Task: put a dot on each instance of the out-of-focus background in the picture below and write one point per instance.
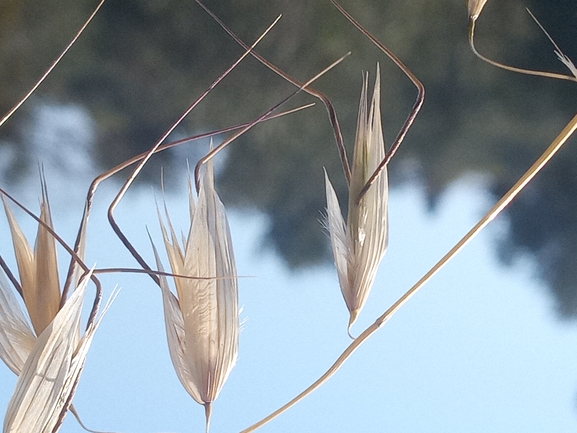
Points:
(489, 345)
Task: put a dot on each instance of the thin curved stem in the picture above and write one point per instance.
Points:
(161, 273)
(221, 146)
(381, 320)
(414, 111)
(545, 74)
(109, 173)
(328, 105)
(154, 148)
(52, 66)
(11, 277)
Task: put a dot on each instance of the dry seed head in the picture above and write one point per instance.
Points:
(38, 269)
(475, 7)
(48, 361)
(50, 374)
(202, 321)
(359, 244)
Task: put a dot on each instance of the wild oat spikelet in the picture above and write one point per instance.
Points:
(48, 358)
(38, 268)
(48, 379)
(360, 244)
(202, 322)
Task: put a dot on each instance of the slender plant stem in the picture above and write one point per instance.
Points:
(237, 134)
(52, 66)
(109, 173)
(328, 105)
(11, 277)
(154, 148)
(381, 320)
(512, 68)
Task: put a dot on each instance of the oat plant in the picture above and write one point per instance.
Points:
(201, 318)
(46, 344)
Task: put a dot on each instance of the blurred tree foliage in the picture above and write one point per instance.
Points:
(140, 63)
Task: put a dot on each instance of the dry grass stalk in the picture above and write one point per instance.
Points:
(202, 319)
(412, 114)
(202, 323)
(359, 244)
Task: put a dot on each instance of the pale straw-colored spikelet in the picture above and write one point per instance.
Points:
(475, 7)
(16, 336)
(48, 356)
(50, 375)
(359, 244)
(38, 268)
(202, 322)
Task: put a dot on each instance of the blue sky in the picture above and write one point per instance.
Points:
(478, 349)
